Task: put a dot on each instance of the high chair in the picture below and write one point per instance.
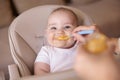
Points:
(26, 36)
(2, 76)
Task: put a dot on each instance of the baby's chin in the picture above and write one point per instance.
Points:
(59, 44)
(62, 44)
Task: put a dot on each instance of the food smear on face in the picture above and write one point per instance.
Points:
(63, 37)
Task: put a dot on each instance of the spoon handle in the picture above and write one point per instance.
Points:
(86, 32)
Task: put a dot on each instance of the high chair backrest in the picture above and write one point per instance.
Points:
(26, 35)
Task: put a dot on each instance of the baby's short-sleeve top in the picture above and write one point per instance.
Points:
(58, 59)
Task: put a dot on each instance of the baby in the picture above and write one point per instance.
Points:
(59, 54)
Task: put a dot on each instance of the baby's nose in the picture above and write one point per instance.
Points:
(60, 31)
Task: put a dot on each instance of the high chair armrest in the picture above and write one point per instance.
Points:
(13, 72)
(2, 76)
(64, 75)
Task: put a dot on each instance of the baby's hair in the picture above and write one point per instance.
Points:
(66, 9)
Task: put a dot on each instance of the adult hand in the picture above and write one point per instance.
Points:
(82, 38)
(101, 66)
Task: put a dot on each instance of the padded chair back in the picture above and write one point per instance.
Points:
(26, 35)
(2, 76)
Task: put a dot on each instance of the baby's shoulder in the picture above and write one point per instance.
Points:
(47, 48)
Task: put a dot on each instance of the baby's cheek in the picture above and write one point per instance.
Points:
(68, 32)
(71, 41)
(49, 38)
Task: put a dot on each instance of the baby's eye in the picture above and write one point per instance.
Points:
(53, 28)
(67, 27)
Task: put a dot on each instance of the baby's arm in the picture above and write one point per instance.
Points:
(42, 62)
(41, 68)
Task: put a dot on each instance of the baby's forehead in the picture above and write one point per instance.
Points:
(59, 12)
(63, 12)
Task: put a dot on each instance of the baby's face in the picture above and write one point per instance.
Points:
(59, 29)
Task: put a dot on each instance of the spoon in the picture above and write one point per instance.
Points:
(83, 32)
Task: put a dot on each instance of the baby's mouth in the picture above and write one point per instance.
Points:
(62, 37)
